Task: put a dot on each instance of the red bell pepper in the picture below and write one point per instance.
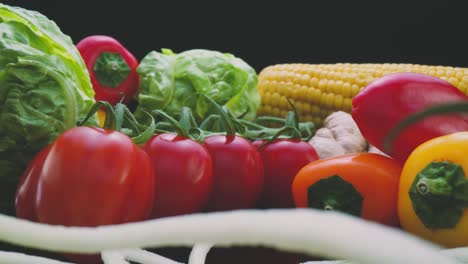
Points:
(388, 100)
(111, 67)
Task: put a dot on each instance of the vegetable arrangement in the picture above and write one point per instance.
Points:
(197, 143)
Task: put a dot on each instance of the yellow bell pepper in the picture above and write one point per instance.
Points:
(101, 114)
(433, 191)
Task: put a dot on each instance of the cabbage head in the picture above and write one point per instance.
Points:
(170, 81)
(44, 90)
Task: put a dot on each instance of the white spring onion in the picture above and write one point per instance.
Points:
(327, 234)
(144, 256)
(113, 257)
(198, 253)
(460, 254)
(19, 258)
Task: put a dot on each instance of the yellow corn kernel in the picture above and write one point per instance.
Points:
(320, 89)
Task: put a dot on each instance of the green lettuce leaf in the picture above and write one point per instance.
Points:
(44, 90)
(36, 30)
(170, 81)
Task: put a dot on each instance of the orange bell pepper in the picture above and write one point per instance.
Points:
(363, 184)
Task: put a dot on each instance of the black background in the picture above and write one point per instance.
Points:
(270, 32)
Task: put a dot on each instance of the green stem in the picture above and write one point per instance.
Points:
(251, 125)
(423, 187)
(224, 117)
(120, 118)
(439, 194)
(109, 122)
(209, 121)
(142, 137)
(331, 204)
(334, 193)
(269, 119)
(111, 69)
(179, 129)
(187, 121)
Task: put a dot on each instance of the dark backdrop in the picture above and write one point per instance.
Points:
(269, 32)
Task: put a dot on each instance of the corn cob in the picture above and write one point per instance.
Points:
(317, 90)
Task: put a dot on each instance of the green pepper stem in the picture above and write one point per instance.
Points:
(439, 194)
(330, 205)
(334, 193)
(423, 187)
(111, 69)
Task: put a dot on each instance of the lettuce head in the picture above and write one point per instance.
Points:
(44, 90)
(170, 81)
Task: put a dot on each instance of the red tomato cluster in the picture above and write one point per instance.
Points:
(93, 176)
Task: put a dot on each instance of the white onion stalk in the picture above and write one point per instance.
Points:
(135, 255)
(327, 262)
(19, 258)
(113, 257)
(327, 234)
(460, 254)
(198, 253)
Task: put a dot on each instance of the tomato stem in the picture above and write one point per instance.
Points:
(110, 120)
(224, 117)
(179, 129)
(144, 136)
(290, 128)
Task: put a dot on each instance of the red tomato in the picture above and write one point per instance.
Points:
(26, 192)
(111, 67)
(282, 160)
(87, 177)
(183, 170)
(237, 173)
